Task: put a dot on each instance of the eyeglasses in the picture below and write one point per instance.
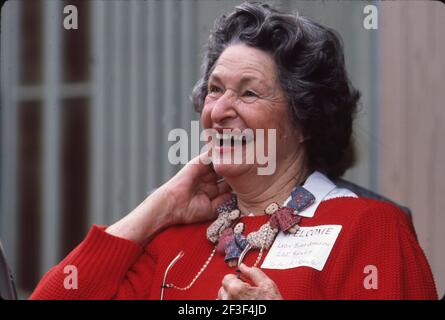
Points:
(164, 279)
(164, 285)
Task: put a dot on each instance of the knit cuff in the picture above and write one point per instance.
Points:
(104, 257)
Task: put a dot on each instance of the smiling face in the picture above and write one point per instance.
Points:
(244, 93)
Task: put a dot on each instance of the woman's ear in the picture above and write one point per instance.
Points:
(303, 139)
(299, 135)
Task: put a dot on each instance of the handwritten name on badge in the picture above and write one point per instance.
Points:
(309, 246)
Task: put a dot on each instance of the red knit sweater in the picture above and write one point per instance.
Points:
(373, 233)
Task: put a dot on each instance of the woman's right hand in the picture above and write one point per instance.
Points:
(195, 193)
(191, 196)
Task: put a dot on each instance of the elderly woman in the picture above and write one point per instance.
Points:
(263, 70)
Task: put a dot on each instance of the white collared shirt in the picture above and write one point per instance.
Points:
(323, 189)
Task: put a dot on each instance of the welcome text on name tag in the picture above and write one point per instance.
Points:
(309, 246)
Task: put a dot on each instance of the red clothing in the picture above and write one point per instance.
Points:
(373, 233)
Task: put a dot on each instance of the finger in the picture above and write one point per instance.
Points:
(212, 177)
(256, 275)
(234, 286)
(203, 159)
(223, 187)
(214, 190)
(222, 294)
(211, 190)
(217, 188)
(229, 278)
(201, 165)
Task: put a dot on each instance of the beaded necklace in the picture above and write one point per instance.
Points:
(226, 232)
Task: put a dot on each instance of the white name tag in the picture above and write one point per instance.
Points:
(309, 247)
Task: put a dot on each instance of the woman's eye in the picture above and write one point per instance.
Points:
(214, 89)
(249, 93)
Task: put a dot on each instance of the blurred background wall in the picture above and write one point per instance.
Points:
(85, 113)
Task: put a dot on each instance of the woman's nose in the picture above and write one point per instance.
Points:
(224, 108)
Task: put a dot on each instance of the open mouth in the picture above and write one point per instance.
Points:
(229, 139)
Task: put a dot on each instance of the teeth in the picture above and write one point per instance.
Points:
(226, 136)
(233, 137)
